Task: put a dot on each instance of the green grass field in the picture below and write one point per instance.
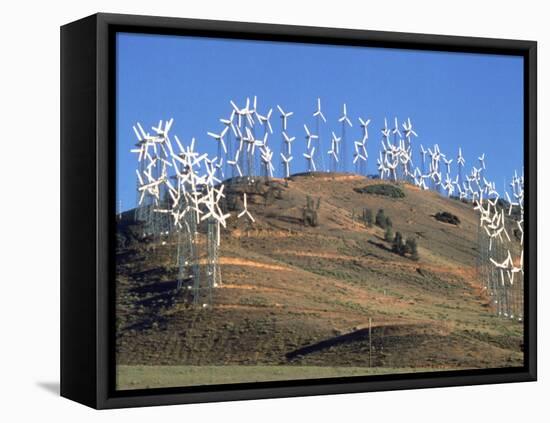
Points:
(137, 377)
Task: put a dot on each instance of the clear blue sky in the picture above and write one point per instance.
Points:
(471, 100)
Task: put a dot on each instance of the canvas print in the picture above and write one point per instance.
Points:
(290, 211)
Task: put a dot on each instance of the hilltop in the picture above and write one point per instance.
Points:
(303, 295)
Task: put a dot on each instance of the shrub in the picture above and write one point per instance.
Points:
(387, 190)
(367, 217)
(380, 219)
(447, 218)
(398, 246)
(388, 235)
(309, 213)
(411, 248)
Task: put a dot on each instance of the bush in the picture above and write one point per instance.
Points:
(398, 246)
(367, 217)
(447, 218)
(388, 235)
(411, 248)
(382, 189)
(380, 219)
(309, 213)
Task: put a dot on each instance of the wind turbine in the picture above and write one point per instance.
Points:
(266, 156)
(310, 161)
(245, 211)
(286, 164)
(319, 115)
(219, 138)
(334, 152)
(365, 125)
(423, 152)
(344, 120)
(235, 164)
(407, 127)
(309, 136)
(284, 116)
(265, 121)
(284, 122)
(287, 146)
(482, 164)
(229, 123)
(448, 164)
(460, 163)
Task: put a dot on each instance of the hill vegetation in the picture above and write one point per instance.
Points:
(296, 294)
(447, 218)
(387, 190)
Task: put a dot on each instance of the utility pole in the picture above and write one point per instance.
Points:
(370, 342)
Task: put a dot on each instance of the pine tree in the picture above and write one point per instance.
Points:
(398, 244)
(367, 217)
(388, 236)
(309, 213)
(412, 248)
(380, 219)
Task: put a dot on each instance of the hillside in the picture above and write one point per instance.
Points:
(302, 295)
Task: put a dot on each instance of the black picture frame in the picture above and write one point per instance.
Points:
(88, 209)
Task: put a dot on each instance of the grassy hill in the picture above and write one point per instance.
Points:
(295, 295)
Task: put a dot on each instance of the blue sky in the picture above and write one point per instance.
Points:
(453, 99)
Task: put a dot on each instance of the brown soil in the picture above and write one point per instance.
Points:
(293, 294)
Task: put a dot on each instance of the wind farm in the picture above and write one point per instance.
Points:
(269, 254)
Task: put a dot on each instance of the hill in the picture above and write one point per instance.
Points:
(302, 295)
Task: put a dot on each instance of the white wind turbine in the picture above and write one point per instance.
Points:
(365, 125)
(310, 160)
(460, 163)
(235, 163)
(286, 158)
(245, 210)
(229, 124)
(334, 152)
(265, 121)
(285, 139)
(358, 158)
(344, 120)
(309, 136)
(318, 114)
(407, 127)
(266, 157)
(240, 112)
(284, 116)
(288, 142)
(448, 164)
(395, 131)
(219, 138)
(363, 147)
(286, 164)
(482, 164)
(423, 152)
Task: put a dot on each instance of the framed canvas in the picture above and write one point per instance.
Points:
(258, 211)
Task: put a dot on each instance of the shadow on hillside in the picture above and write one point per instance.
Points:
(288, 219)
(358, 335)
(156, 287)
(379, 245)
